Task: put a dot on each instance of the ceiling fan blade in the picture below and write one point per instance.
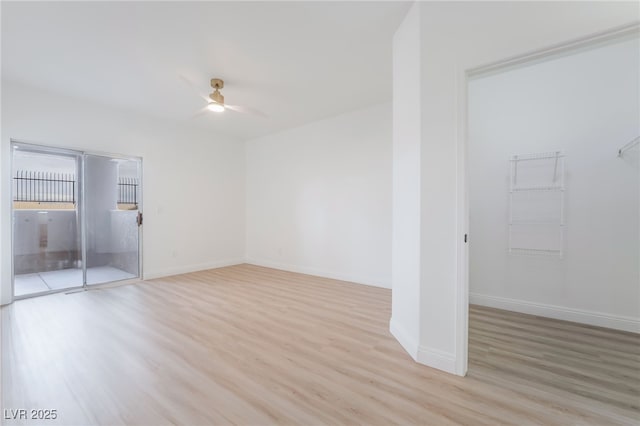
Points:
(246, 110)
(201, 111)
(194, 87)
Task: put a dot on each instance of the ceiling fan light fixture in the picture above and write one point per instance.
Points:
(215, 107)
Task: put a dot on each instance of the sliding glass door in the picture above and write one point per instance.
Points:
(112, 218)
(76, 219)
(47, 249)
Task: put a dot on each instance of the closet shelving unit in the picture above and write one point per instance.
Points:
(536, 204)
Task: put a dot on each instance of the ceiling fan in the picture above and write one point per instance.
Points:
(215, 100)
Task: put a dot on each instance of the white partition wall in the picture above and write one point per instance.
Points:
(405, 320)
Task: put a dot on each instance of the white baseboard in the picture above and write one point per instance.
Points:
(558, 312)
(437, 359)
(409, 344)
(266, 264)
(424, 355)
(317, 272)
(191, 268)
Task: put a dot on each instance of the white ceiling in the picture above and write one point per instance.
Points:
(296, 61)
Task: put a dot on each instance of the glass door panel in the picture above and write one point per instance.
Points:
(47, 255)
(111, 201)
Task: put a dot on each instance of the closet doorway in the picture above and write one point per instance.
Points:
(76, 219)
(554, 218)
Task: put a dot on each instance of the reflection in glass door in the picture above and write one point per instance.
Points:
(75, 219)
(112, 218)
(47, 253)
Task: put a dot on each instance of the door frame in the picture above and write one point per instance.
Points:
(79, 153)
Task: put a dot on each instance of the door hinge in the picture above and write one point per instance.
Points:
(465, 238)
(139, 219)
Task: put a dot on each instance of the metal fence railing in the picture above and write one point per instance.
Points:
(128, 191)
(44, 187)
(49, 187)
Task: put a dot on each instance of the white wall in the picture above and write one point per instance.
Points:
(586, 105)
(455, 37)
(193, 196)
(319, 198)
(405, 321)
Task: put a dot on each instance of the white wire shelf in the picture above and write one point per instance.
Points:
(516, 223)
(536, 204)
(537, 188)
(535, 252)
(538, 156)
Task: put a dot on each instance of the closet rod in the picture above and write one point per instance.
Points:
(628, 146)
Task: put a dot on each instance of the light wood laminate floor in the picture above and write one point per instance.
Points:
(251, 345)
